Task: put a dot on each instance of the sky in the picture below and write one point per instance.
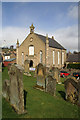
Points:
(58, 19)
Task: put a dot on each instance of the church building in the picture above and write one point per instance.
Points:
(40, 49)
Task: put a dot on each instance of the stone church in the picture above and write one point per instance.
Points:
(40, 49)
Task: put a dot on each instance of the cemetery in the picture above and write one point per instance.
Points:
(39, 94)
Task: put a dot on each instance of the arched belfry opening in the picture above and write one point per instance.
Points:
(31, 63)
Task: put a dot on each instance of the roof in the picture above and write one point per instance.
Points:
(7, 54)
(73, 58)
(52, 43)
(8, 60)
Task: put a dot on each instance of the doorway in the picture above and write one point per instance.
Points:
(31, 63)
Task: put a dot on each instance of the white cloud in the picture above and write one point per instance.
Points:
(11, 34)
(68, 37)
(73, 12)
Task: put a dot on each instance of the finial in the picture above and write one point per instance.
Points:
(17, 41)
(46, 36)
(32, 28)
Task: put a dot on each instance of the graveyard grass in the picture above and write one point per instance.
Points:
(40, 104)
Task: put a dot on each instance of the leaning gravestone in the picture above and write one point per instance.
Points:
(51, 85)
(72, 89)
(13, 88)
(41, 72)
(56, 74)
(16, 88)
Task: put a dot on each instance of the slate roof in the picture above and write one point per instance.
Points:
(73, 58)
(7, 54)
(52, 43)
(8, 60)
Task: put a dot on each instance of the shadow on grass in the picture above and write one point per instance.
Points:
(25, 96)
(62, 94)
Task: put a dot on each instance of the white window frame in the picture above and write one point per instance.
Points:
(7, 57)
(31, 50)
(58, 57)
(53, 57)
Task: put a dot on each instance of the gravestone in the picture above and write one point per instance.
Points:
(72, 89)
(35, 73)
(26, 66)
(13, 88)
(56, 74)
(16, 88)
(51, 85)
(41, 72)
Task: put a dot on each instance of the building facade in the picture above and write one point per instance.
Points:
(40, 49)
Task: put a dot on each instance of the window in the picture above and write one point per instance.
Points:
(58, 57)
(31, 50)
(53, 58)
(22, 58)
(40, 56)
(62, 57)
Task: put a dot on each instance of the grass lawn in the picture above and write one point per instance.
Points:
(40, 104)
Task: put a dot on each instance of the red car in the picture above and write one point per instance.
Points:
(64, 74)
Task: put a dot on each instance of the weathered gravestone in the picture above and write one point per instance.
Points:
(15, 92)
(56, 74)
(72, 89)
(41, 72)
(26, 67)
(51, 85)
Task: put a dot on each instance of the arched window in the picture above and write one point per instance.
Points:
(40, 56)
(31, 50)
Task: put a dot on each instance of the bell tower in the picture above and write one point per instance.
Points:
(32, 29)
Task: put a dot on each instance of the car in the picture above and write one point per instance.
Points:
(76, 75)
(64, 73)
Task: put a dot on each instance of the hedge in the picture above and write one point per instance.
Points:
(74, 66)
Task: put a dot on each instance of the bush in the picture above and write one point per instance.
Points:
(73, 66)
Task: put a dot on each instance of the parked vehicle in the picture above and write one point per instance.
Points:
(64, 74)
(76, 75)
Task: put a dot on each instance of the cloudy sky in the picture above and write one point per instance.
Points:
(59, 19)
